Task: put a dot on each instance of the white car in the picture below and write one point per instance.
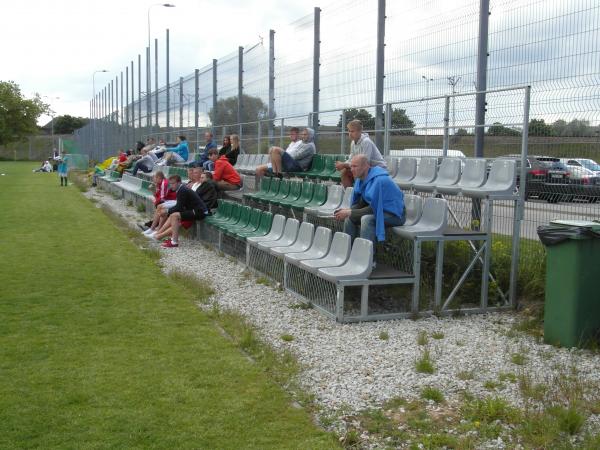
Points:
(581, 168)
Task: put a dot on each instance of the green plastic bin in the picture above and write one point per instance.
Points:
(572, 307)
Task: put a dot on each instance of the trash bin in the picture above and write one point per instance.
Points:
(572, 307)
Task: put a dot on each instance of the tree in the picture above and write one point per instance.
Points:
(253, 109)
(538, 127)
(461, 132)
(399, 120)
(67, 124)
(497, 129)
(18, 115)
(363, 115)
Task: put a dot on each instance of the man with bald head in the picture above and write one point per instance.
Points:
(377, 203)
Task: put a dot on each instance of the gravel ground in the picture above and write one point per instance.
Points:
(349, 367)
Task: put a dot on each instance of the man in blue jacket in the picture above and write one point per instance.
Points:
(178, 154)
(377, 203)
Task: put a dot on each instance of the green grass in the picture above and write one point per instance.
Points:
(424, 363)
(431, 393)
(98, 349)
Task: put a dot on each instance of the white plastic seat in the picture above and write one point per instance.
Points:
(473, 176)
(337, 255)
(448, 175)
(392, 165)
(501, 181)
(426, 173)
(407, 169)
(263, 159)
(241, 162)
(346, 200)
(277, 227)
(318, 249)
(289, 236)
(335, 193)
(414, 207)
(433, 222)
(303, 242)
(358, 266)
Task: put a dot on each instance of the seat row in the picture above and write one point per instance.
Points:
(323, 168)
(284, 193)
(455, 176)
(248, 163)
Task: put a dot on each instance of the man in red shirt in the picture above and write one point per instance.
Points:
(224, 175)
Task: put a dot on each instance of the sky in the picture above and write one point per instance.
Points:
(54, 47)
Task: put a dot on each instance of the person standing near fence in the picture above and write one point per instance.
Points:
(360, 144)
(63, 171)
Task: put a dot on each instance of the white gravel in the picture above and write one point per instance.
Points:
(348, 366)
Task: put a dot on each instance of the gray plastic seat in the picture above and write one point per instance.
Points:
(448, 175)
(426, 173)
(337, 255)
(289, 236)
(501, 181)
(335, 193)
(303, 242)
(277, 227)
(392, 165)
(318, 249)
(358, 266)
(433, 222)
(414, 207)
(473, 176)
(407, 169)
(346, 199)
(262, 159)
(241, 162)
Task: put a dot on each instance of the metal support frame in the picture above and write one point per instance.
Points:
(482, 56)
(156, 84)
(180, 103)
(196, 102)
(148, 92)
(140, 92)
(167, 81)
(388, 126)
(446, 140)
(379, 73)
(240, 105)
(132, 104)
(127, 139)
(316, 71)
(214, 95)
(343, 133)
(271, 126)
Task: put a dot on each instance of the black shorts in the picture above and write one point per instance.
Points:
(192, 214)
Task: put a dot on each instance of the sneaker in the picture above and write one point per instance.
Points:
(152, 236)
(169, 244)
(143, 227)
(148, 232)
(148, 224)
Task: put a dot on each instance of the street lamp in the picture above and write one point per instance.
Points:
(427, 80)
(453, 81)
(166, 5)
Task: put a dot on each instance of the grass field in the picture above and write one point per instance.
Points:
(98, 349)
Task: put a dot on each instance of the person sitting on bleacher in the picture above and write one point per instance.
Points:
(377, 202)
(360, 144)
(202, 157)
(149, 158)
(178, 154)
(225, 176)
(226, 146)
(163, 198)
(234, 149)
(296, 158)
(189, 207)
(208, 190)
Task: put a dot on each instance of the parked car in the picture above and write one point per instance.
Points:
(582, 169)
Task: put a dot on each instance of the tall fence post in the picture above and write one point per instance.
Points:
(180, 103)
(140, 94)
(113, 144)
(271, 125)
(132, 104)
(316, 69)
(446, 126)
(148, 91)
(482, 55)
(343, 133)
(168, 84)
(240, 105)
(156, 84)
(388, 126)
(196, 102)
(380, 73)
(127, 105)
(122, 129)
(214, 97)
(520, 206)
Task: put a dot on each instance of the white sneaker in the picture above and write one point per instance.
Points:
(153, 236)
(148, 232)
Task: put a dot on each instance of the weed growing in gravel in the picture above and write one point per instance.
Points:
(116, 196)
(300, 305)
(531, 390)
(264, 281)
(460, 343)
(492, 385)
(489, 410)
(129, 203)
(141, 207)
(351, 439)
(507, 376)
(431, 393)
(384, 336)
(424, 364)
(437, 335)
(518, 358)
(201, 289)
(465, 375)
(422, 338)
(287, 337)
(569, 419)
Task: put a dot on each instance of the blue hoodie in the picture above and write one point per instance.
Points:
(382, 194)
(181, 149)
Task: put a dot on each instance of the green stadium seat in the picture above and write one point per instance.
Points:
(265, 182)
(307, 195)
(319, 196)
(264, 227)
(316, 167)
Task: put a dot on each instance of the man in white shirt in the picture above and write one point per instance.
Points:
(275, 154)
